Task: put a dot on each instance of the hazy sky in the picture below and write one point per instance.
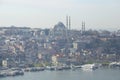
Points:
(98, 14)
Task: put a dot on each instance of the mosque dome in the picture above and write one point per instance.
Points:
(59, 25)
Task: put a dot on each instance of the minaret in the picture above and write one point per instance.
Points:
(67, 31)
(69, 22)
(83, 27)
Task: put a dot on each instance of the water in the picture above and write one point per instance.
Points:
(99, 74)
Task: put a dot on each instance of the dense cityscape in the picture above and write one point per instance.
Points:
(59, 39)
(28, 47)
(59, 48)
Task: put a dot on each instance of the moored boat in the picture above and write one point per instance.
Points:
(89, 67)
(51, 68)
(2, 74)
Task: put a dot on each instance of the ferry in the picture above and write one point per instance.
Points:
(89, 67)
(51, 68)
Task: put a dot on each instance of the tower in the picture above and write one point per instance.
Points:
(68, 27)
(69, 22)
(83, 27)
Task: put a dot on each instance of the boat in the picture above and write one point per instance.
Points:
(14, 72)
(66, 67)
(114, 64)
(51, 68)
(74, 67)
(89, 67)
(59, 68)
(2, 74)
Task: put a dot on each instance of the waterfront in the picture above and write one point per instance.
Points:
(98, 74)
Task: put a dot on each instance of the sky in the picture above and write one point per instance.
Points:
(97, 14)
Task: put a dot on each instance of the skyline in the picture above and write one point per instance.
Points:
(98, 14)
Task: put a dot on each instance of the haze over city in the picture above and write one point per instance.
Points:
(98, 14)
